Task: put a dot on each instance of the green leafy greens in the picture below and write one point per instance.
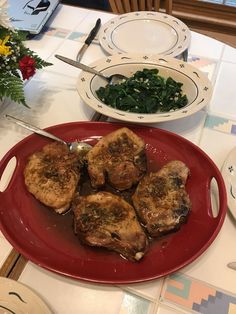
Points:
(145, 92)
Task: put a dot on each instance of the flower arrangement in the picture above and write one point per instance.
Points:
(17, 63)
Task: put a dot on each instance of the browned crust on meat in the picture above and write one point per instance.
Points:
(161, 201)
(106, 220)
(119, 156)
(52, 175)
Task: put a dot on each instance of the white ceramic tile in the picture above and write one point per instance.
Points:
(204, 46)
(67, 17)
(165, 309)
(54, 99)
(5, 249)
(104, 16)
(9, 136)
(70, 49)
(223, 250)
(150, 290)
(132, 304)
(93, 53)
(217, 145)
(224, 97)
(189, 127)
(229, 54)
(44, 45)
(214, 260)
(86, 25)
(69, 296)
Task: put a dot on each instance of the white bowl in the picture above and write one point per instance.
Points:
(196, 85)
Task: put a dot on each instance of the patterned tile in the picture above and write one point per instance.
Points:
(76, 36)
(206, 65)
(56, 32)
(220, 303)
(64, 33)
(220, 124)
(197, 296)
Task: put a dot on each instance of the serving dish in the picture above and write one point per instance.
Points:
(47, 239)
(196, 85)
(229, 175)
(16, 297)
(145, 32)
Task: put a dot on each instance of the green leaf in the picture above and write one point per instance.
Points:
(11, 84)
(12, 87)
(145, 92)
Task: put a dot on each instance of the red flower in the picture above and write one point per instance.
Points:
(27, 67)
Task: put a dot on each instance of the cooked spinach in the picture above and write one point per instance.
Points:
(145, 92)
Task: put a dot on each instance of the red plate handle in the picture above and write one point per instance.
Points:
(3, 167)
(222, 197)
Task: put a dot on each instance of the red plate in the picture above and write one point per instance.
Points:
(47, 239)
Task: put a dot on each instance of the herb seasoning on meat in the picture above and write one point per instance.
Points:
(144, 92)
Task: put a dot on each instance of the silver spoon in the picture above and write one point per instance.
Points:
(112, 79)
(79, 147)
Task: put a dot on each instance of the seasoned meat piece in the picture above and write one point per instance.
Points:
(119, 156)
(52, 175)
(161, 200)
(106, 220)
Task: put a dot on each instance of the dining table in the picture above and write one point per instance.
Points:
(206, 284)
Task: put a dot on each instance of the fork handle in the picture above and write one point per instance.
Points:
(34, 129)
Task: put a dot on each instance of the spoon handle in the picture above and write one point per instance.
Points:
(34, 129)
(80, 66)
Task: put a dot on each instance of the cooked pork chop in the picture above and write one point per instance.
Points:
(161, 200)
(52, 175)
(106, 220)
(119, 156)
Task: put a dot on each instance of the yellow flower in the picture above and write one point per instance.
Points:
(5, 50)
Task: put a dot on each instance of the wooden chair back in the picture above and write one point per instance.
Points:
(125, 6)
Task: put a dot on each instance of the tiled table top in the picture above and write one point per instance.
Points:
(204, 286)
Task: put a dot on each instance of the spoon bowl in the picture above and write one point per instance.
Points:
(78, 147)
(112, 79)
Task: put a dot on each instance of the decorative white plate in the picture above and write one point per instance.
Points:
(145, 32)
(229, 175)
(196, 85)
(18, 298)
